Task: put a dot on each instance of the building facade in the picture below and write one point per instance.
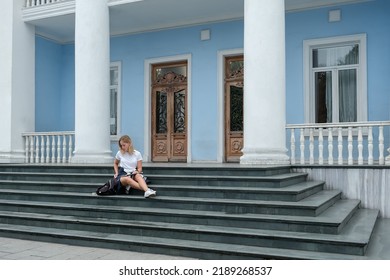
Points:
(250, 81)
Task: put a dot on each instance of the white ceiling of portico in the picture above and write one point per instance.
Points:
(134, 16)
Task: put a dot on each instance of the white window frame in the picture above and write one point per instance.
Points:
(117, 64)
(309, 96)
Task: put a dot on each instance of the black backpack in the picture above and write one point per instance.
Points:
(111, 187)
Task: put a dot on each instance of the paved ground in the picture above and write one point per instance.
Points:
(17, 249)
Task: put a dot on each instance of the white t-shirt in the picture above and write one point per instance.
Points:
(128, 161)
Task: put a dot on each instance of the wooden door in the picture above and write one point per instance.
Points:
(169, 112)
(234, 109)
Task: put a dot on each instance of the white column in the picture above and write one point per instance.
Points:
(17, 81)
(92, 65)
(264, 97)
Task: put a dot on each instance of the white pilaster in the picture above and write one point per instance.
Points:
(17, 81)
(264, 97)
(92, 103)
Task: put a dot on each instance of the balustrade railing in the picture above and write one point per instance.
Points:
(48, 147)
(309, 144)
(35, 3)
(339, 144)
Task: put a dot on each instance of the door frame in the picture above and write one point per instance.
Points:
(221, 99)
(147, 154)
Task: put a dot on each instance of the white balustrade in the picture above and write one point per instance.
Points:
(48, 147)
(35, 3)
(358, 143)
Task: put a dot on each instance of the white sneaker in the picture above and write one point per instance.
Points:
(127, 189)
(150, 193)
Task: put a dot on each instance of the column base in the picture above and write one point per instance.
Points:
(12, 157)
(92, 157)
(264, 157)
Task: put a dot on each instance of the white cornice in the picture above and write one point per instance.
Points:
(48, 10)
(302, 5)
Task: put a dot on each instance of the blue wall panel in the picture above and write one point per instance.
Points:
(48, 71)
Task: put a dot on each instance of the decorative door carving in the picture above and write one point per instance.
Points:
(169, 116)
(234, 109)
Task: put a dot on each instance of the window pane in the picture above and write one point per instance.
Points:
(323, 97)
(179, 70)
(236, 109)
(114, 76)
(113, 111)
(161, 112)
(336, 56)
(347, 96)
(180, 111)
(236, 68)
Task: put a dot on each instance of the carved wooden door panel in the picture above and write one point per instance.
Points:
(169, 118)
(234, 109)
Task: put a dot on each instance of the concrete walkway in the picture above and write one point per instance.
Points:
(17, 249)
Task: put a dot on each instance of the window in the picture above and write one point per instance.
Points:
(115, 93)
(335, 80)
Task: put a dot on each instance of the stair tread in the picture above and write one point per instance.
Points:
(295, 188)
(312, 201)
(359, 233)
(333, 215)
(272, 177)
(233, 249)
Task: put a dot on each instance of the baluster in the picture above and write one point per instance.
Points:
(70, 148)
(42, 150)
(340, 145)
(37, 148)
(302, 145)
(330, 147)
(64, 142)
(292, 140)
(26, 144)
(58, 149)
(321, 147)
(53, 149)
(360, 145)
(47, 148)
(370, 147)
(381, 146)
(350, 146)
(32, 148)
(311, 146)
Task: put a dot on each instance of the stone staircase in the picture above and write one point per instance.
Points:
(211, 212)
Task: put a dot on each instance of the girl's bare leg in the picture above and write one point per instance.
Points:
(138, 183)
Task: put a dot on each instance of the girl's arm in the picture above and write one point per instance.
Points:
(116, 167)
(139, 166)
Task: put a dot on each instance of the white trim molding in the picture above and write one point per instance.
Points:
(309, 45)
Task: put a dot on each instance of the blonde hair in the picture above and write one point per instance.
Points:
(126, 139)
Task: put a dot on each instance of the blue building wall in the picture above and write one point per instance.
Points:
(48, 69)
(56, 63)
(372, 18)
